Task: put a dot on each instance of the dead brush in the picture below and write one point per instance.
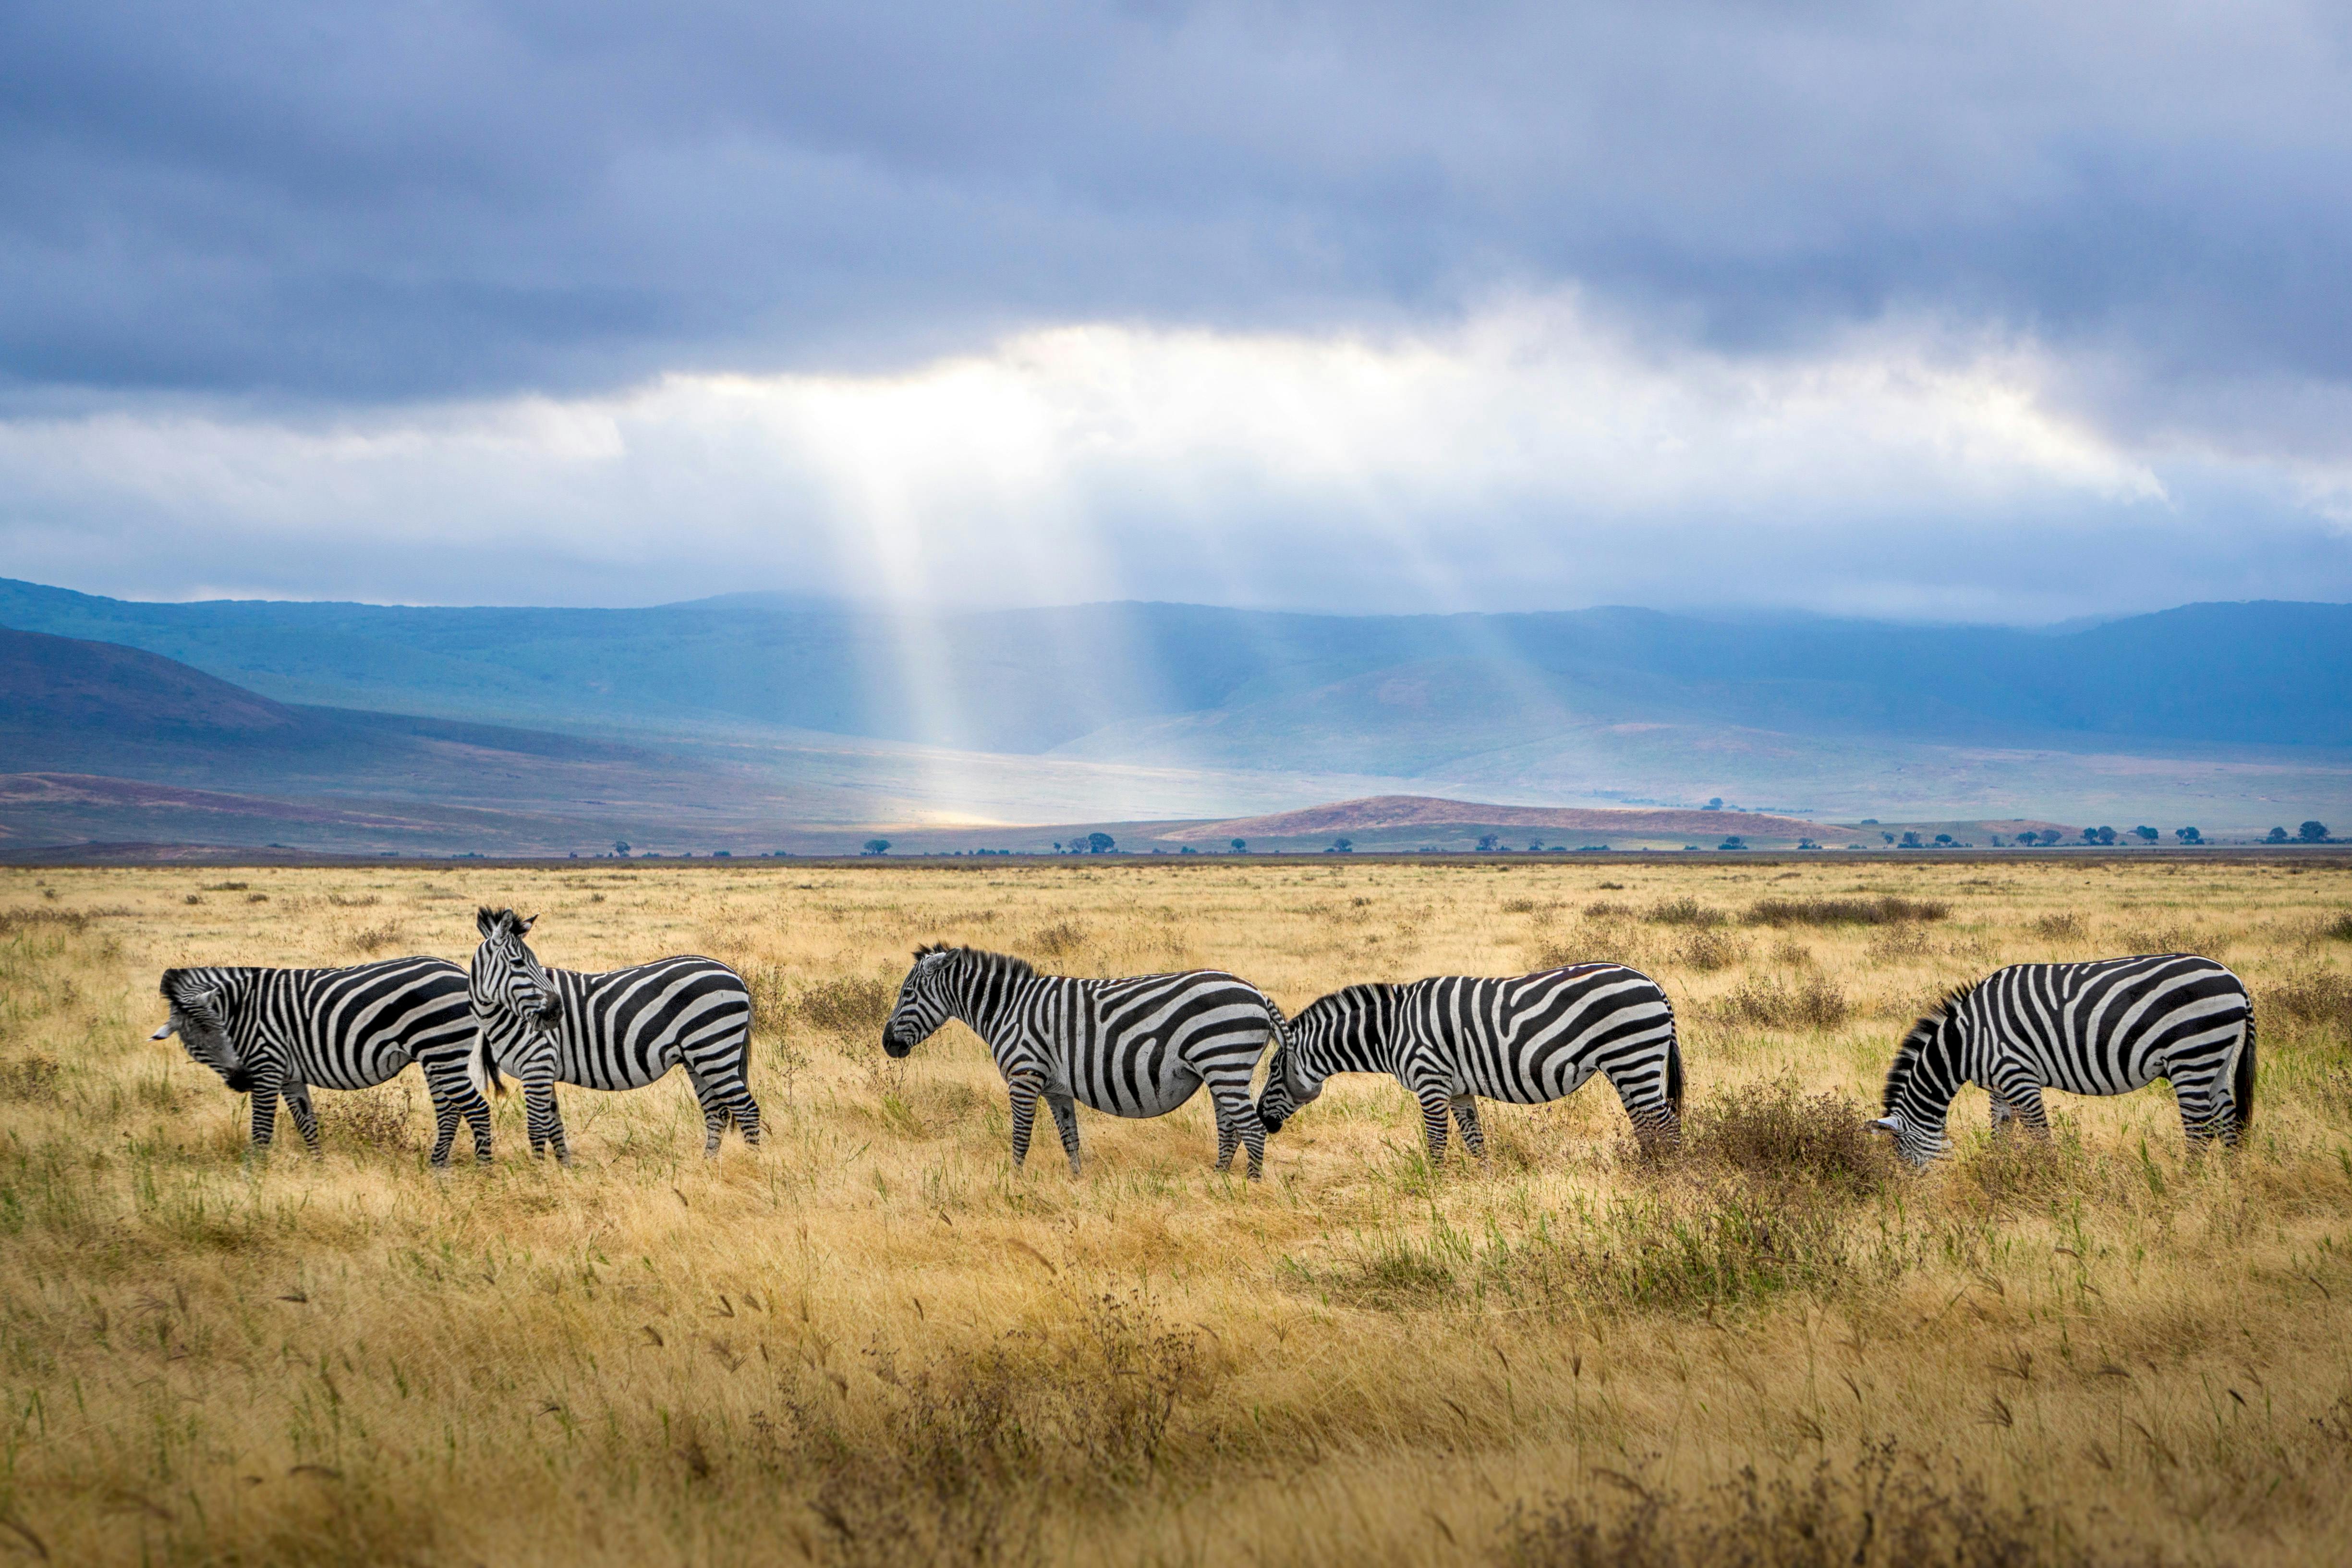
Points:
(847, 1005)
(15, 922)
(1706, 950)
(1059, 940)
(374, 1118)
(2062, 925)
(2315, 995)
(1884, 910)
(1773, 1132)
(31, 1078)
(1770, 1003)
(1900, 944)
(1888, 1511)
(1685, 910)
(369, 941)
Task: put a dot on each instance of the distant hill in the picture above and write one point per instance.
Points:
(721, 711)
(1382, 818)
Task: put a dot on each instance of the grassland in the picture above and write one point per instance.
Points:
(871, 1341)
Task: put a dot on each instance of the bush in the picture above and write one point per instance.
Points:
(2322, 996)
(845, 1006)
(1059, 940)
(1707, 949)
(2065, 925)
(1686, 912)
(376, 1117)
(1771, 1003)
(1884, 910)
(1769, 1132)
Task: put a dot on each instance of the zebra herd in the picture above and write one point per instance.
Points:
(1142, 1047)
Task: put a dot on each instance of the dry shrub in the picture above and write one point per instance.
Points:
(1770, 1003)
(360, 901)
(1059, 940)
(847, 1005)
(1608, 910)
(2064, 925)
(2336, 929)
(2315, 995)
(1079, 1418)
(378, 1118)
(1771, 1132)
(2172, 938)
(1884, 910)
(13, 922)
(373, 940)
(34, 1077)
(1887, 1512)
(1684, 912)
(1897, 944)
(1706, 950)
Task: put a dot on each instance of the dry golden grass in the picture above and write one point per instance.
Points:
(871, 1341)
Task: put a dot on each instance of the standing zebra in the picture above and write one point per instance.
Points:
(2104, 1027)
(277, 1032)
(1134, 1047)
(621, 1030)
(1528, 1039)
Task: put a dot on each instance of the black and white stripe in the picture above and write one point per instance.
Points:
(620, 1029)
(2104, 1027)
(1527, 1039)
(280, 1032)
(1138, 1047)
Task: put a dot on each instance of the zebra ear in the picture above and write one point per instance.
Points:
(1886, 1124)
(522, 925)
(485, 921)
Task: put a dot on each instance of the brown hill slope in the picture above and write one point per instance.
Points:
(1390, 812)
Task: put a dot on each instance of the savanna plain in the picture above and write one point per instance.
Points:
(872, 1341)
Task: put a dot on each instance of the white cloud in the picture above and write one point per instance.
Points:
(1530, 455)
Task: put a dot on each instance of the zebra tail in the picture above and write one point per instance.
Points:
(1674, 1073)
(2242, 1082)
(482, 1067)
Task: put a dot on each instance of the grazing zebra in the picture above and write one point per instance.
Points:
(2104, 1027)
(1527, 1039)
(1134, 1047)
(279, 1031)
(621, 1030)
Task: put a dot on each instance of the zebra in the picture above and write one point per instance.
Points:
(1527, 1039)
(2107, 1026)
(277, 1033)
(621, 1030)
(1138, 1047)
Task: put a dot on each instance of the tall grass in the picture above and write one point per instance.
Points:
(871, 1341)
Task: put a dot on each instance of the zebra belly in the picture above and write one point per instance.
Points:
(1159, 1088)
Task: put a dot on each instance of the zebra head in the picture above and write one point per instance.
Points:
(1285, 1090)
(1921, 1082)
(509, 981)
(1294, 1076)
(926, 1000)
(199, 1004)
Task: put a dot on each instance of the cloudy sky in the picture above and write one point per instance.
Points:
(1971, 312)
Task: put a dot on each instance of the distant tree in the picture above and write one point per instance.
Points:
(1057, 847)
(1888, 836)
(2313, 832)
(2098, 836)
(1733, 842)
(1188, 849)
(1944, 838)
(2187, 836)
(1807, 844)
(877, 845)
(2275, 836)
(2145, 835)
(1535, 846)
(1343, 846)
(1100, 843)
(1488, 843)
(1714, 804)
(1911, 841)
(620, 846)
(1241, 846)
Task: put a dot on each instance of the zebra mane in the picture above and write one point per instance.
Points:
(1907, 1055)
(1021, 968)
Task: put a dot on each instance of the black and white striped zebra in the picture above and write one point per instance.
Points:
(2107, 1026)
(620, 1029)
(1527, 1039)
(280, 1032)
(1138, 1047)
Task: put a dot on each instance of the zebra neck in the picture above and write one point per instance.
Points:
(984, 1000)
(1358, 1043)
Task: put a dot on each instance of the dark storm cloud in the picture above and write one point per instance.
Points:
(369, 202)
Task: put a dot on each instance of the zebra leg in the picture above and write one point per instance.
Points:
(2204, 1116)
(1065, 1119)
(1237, 1125)
(306, 1119)
(265, 1112)
(2002, 1115)
(715, 1114)
(1465, 1115)
(745, 1109)
(545, 1121)
(1024, 1091)
(1433, 1107)
(455, 1099)
(1641, 1089)
(2022, 1100)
